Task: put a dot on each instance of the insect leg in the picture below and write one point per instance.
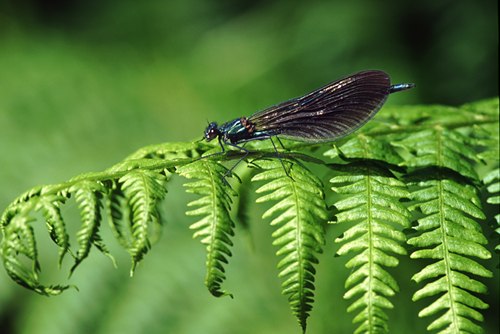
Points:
(278, 155)
(279, 141)
(221, 145)
(217, 153)
(230, 171)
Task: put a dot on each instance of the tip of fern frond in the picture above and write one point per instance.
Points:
(132, 269)
(218, 294)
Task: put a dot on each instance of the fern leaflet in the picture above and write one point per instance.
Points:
(88, 196)
(143, 190)
(448, 232)
(118, 214)
(50, 207)
(216, 227)
(300, 211)
(370, 200)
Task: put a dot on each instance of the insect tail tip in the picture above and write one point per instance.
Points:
(401, 87)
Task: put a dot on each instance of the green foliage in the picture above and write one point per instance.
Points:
(87, 196)
(372, 205)
(215, 228)
(450, 236)
(142, 190)
(442, 184)
(300, 211)
(409, 182)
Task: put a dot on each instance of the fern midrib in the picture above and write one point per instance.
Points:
(298, 234)
(444, 237)
(149, 196)
(102, 177)
(115, 173)
(369, 205)
(213, 226)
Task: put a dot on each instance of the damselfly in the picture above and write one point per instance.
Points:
(326, 114)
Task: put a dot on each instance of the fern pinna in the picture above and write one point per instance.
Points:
(301, 212)
(410, 182)
(216, 226)
(372, 205)
(448, 231)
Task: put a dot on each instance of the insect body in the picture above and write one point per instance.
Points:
(326, 114)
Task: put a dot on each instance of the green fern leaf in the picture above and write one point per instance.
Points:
(370, 200)
(87, 195)
(300, 211)
(442, 189)
(19, 239)
(49, 205)
(216, 227)
(143, 189)
(371, 204)
(449, 235)
(118, 212)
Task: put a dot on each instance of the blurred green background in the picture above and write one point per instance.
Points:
(83, 83)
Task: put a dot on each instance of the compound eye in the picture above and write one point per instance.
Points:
(211, 132)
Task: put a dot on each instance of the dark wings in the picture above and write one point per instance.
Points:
(328, 113)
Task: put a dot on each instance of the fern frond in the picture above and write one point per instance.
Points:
(371, 204)
(216, 227)
(143, 190)
(299, 215)
(429, 153)
(88, 196)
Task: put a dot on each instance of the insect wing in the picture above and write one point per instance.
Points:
(328, 113)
